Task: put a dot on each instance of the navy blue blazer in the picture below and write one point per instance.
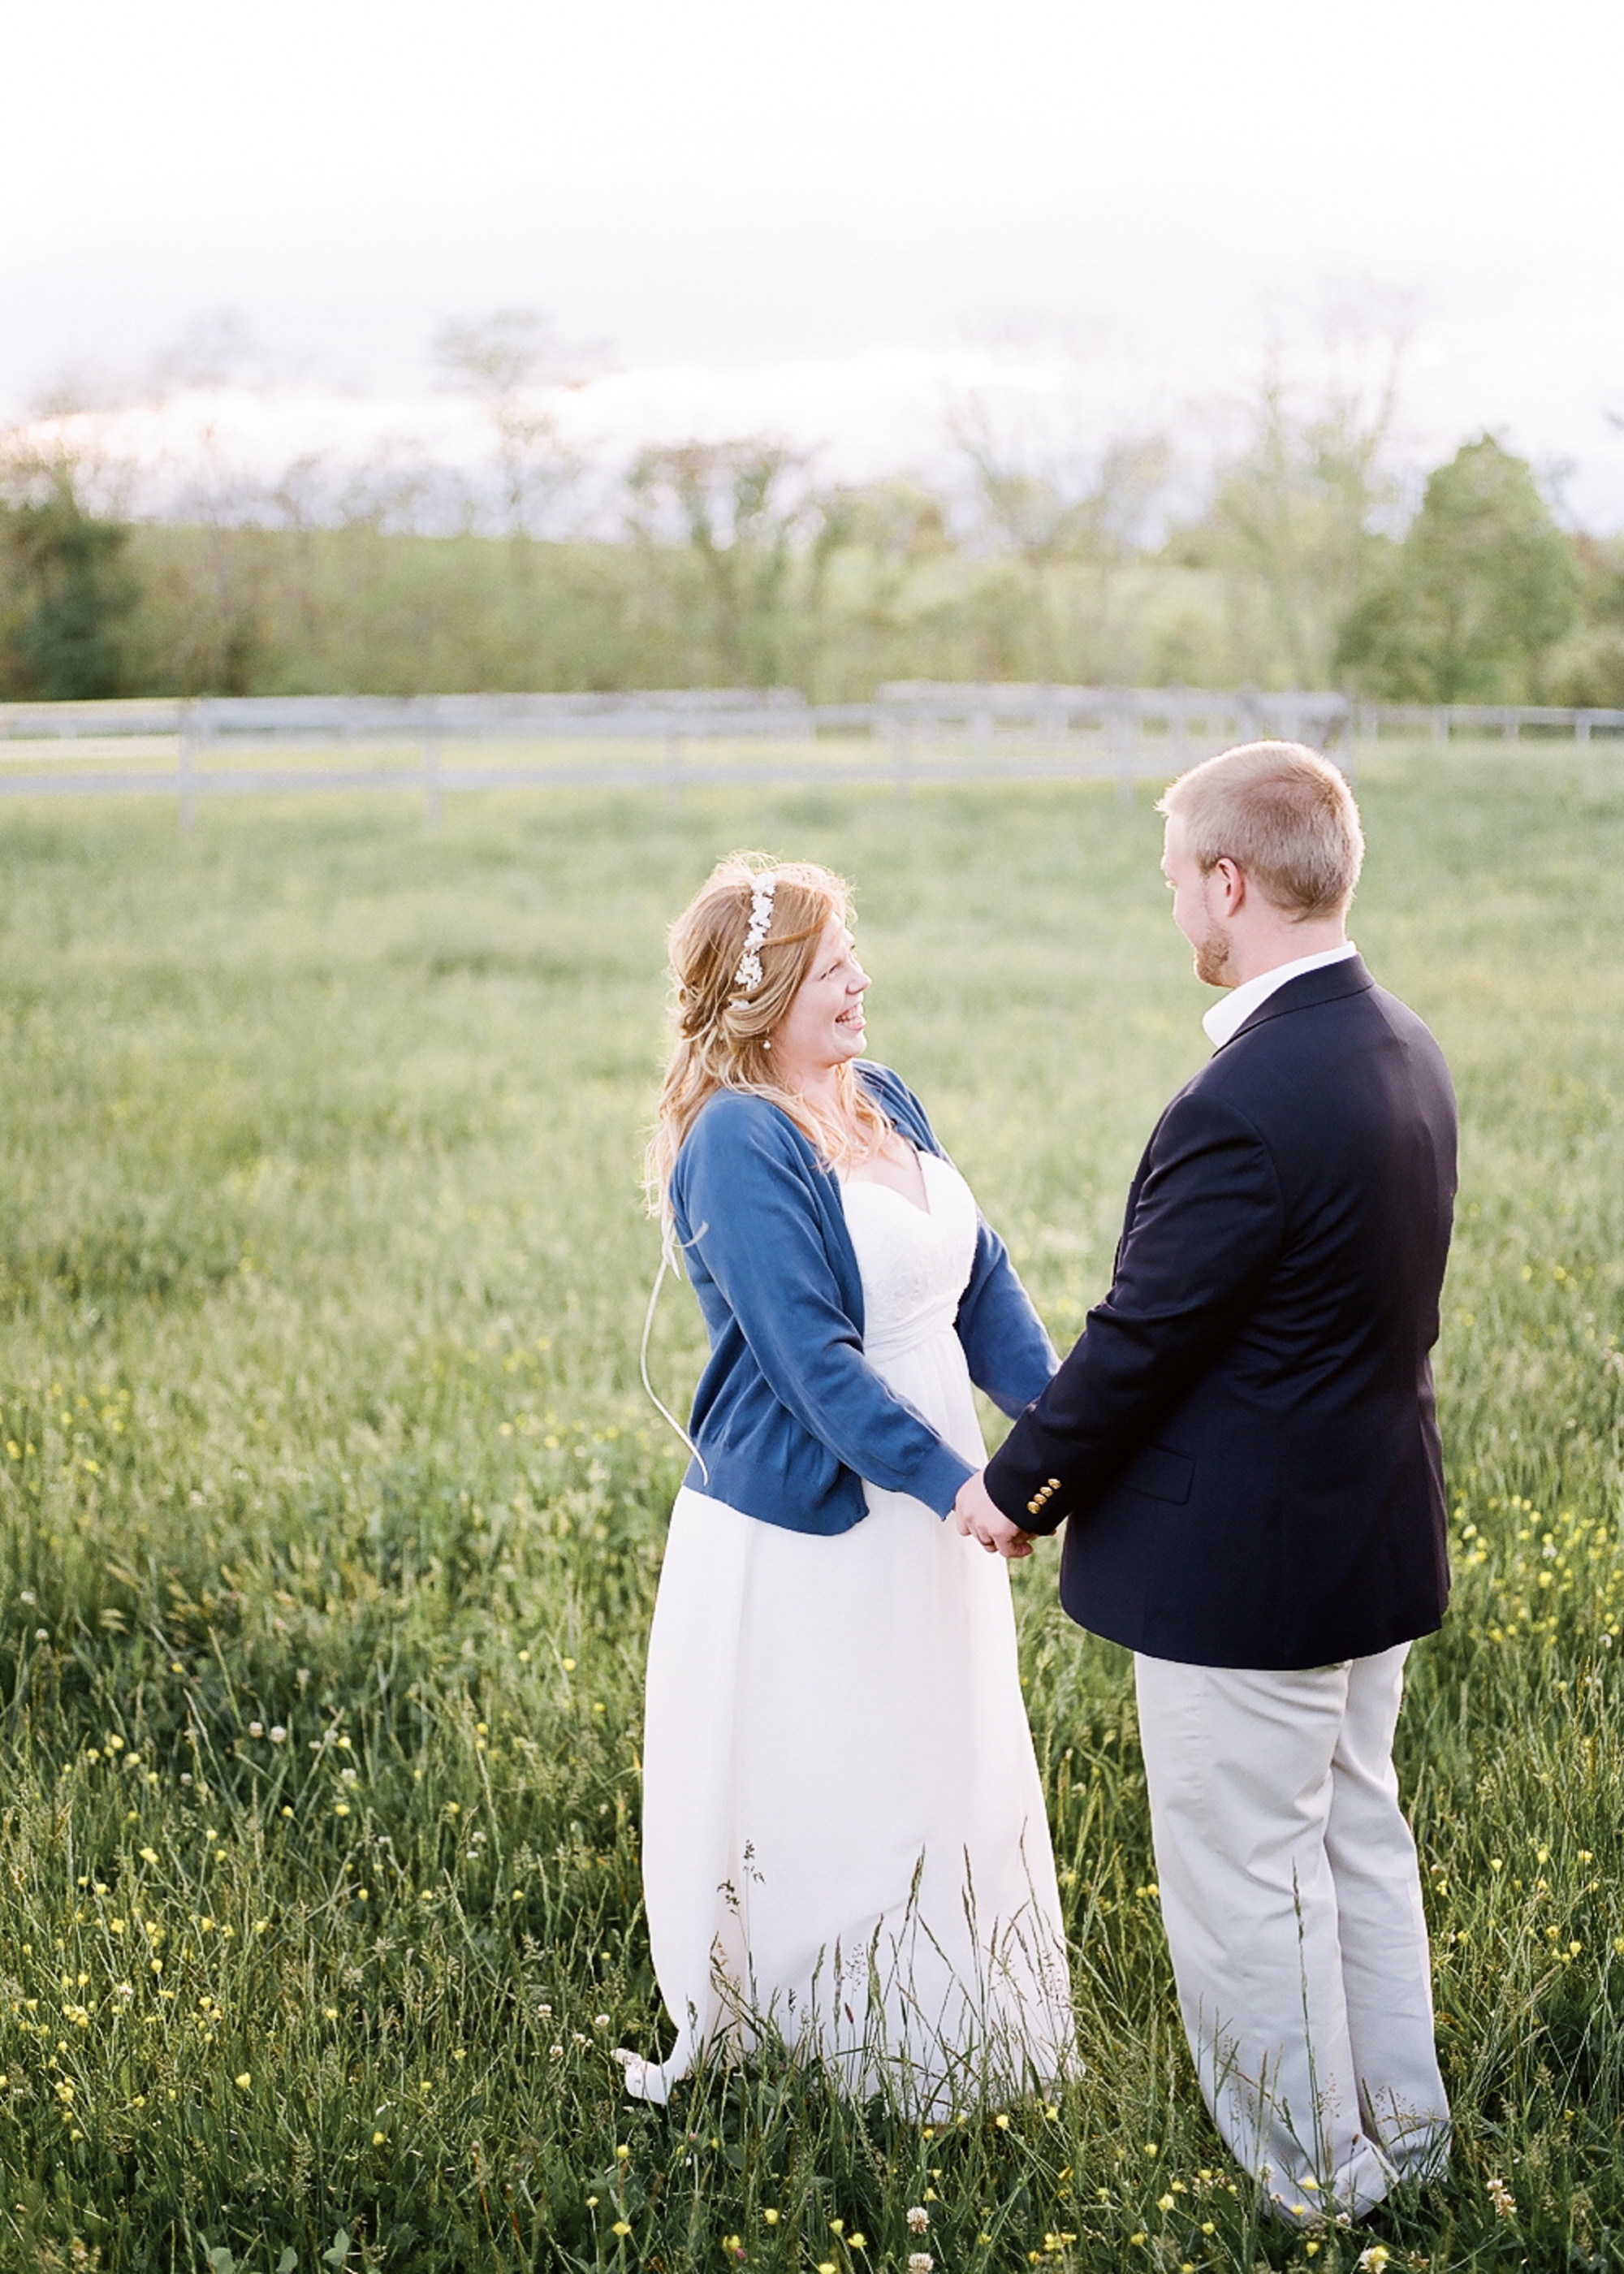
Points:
(1244, 1442)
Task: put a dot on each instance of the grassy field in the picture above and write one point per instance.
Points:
(331, 1513)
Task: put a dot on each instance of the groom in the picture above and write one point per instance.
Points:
(1244, 1444)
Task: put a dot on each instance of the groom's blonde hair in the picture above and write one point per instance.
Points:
(1281, 813)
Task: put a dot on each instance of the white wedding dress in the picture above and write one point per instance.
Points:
(844, 1843)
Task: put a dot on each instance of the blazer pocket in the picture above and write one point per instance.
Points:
(1160, 1473)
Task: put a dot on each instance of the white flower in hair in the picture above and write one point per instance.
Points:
(748, 975)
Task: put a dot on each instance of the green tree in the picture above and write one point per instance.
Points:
(1589, 666)
(66, 595)
(515, 368)
(865, 599)
(736, 505)
(1290, 528)
(1071, 516)
(1477, 597)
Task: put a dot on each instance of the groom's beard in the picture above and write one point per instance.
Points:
(1212, 957)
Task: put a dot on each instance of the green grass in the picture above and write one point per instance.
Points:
(322, 1268)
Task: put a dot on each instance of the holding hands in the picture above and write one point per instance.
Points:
(978, 1517)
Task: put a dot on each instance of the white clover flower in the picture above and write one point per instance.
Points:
(279, 1735)
(918, 2220)
(920, 2262)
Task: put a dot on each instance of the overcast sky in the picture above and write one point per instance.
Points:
(716, 184)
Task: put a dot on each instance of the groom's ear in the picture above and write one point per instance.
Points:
(1231, 881)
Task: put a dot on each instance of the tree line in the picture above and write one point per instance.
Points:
(727, 563)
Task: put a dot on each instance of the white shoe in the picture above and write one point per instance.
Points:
(645, 2080)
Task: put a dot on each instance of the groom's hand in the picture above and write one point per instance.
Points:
(978, 1517)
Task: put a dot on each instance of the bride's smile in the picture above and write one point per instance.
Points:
(824, 1027)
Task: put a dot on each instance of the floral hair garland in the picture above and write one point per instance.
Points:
(748, 975)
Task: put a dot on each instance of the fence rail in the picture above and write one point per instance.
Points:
(914, 732)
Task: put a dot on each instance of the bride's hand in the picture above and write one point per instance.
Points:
(978, 1517)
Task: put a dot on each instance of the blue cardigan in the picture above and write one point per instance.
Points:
(789, 1417)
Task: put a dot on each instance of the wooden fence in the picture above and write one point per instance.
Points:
(914, 733)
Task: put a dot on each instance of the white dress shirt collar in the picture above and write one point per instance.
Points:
(1230, 1013)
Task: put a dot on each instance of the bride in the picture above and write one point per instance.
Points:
(844, 1845)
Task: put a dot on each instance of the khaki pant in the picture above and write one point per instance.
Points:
(1292, 1902)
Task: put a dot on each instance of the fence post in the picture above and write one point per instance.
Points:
(188, 808)
(431, 776)
(1582, 726)
(1509, 723)
(674, 768)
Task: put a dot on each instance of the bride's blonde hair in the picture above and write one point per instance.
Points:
(723, 1035)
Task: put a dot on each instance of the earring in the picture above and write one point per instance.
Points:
(766, 1041)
